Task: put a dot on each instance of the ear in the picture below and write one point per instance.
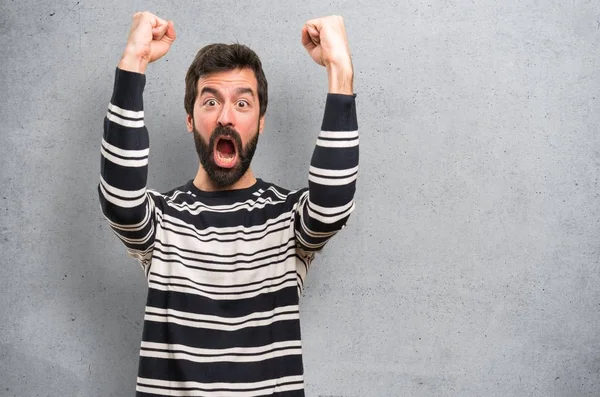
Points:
(261, 124)
(189, 121)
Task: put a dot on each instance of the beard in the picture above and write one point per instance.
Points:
(225, 177)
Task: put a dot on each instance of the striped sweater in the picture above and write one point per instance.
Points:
(225, 270)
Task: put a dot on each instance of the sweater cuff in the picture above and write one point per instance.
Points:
(128, 90)
(340, 113)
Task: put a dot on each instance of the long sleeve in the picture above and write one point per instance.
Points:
(124, 167)
(325, 209)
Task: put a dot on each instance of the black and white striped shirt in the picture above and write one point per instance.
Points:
(225, 270)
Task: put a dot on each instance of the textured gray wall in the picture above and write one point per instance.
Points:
(471, 266)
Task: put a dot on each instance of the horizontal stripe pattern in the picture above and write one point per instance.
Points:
(126, 113)
(125, 118)
(237, 354)
(124, 152)
(124, 122)
(281, 327)
(225, 324)
(239, 374)
(189, 289)
(337, 143)
(289, 393)
(223, 311)
(264, 388)
(225, 270)
(326, 207)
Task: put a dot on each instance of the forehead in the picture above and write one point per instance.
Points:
(229, 80)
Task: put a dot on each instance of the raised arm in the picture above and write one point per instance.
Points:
(334, 164)
(125, 144)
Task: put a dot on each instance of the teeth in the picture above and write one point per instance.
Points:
(228, 159)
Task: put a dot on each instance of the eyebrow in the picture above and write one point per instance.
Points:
(238, 91)
(244, 90)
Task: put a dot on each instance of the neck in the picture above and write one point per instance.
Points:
(203, 182)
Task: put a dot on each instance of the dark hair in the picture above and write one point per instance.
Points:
(220, 57)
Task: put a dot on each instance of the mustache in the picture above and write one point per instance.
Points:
(225, 132)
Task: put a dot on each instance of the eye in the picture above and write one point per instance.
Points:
(210, 103)
(243, 103)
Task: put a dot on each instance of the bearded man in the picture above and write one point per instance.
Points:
(225, 254)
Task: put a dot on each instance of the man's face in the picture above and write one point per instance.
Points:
(226, 124)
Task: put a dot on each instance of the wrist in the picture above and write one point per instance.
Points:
(132, 62)
(341, 78)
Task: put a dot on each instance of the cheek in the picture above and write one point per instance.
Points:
(248, 128)
(204, 126)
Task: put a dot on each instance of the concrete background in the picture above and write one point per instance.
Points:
(471, 266)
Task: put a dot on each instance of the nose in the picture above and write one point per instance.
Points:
(226, 117)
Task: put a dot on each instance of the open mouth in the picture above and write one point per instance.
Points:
(225, 153)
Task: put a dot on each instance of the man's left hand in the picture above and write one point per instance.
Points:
(326, 42)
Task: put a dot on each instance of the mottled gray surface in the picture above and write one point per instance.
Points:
(471, 265)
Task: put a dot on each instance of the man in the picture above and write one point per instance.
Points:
(226, 254)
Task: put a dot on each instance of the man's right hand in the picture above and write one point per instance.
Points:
(150, 38)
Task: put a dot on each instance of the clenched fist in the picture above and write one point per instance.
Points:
(150, 38)
(325, 41)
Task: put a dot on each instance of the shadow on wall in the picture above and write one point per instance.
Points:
(293, 122)
(48, 377)
(104, 289)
